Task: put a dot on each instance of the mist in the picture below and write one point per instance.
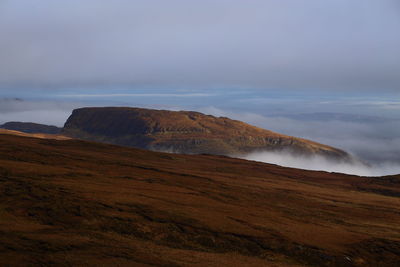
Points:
(38, 111)
(374, 140)
(318, 163)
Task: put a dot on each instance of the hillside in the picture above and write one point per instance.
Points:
(184, 132)
(29, 127)
(35, 135)
(78, 203)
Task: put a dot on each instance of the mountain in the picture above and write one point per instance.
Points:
(29, 127)
(184, 132)
(79, 203)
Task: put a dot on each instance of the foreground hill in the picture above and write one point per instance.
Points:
(184, 132)
(35, 135)
(30, 127)
(77, 203)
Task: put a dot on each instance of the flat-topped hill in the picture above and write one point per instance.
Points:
(184, 132)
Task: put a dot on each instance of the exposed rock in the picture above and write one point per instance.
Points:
(184, 132)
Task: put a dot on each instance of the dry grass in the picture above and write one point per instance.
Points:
(184, 132)
(35, 135)
(74, 203)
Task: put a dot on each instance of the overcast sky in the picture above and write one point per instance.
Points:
(298, 45)
(327, 70)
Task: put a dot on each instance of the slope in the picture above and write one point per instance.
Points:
(75, 203)
(30, 127)
(185, 132)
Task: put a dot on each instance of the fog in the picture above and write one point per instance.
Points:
(45, 112)
(276, 64)
(322, 164)
(374, 141)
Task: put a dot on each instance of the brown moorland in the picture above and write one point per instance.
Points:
(78, 203)
(35, 135)
(186, 132)
(29, 127)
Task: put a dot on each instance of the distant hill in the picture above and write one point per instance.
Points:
(29, 127)
(79, 203)
(34, 135)
(184, 132)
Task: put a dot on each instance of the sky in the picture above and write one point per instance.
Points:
(323, 70)
(330, 45)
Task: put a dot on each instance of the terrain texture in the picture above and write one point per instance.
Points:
(185, 132)
(29, 127)
(35, 135)
(78, 203)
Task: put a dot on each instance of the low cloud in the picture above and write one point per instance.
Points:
(56, 112)
(136, 95)
(45, 112)
(321, 164)
(373, 140)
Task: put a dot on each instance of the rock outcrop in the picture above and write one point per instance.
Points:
(184, 132)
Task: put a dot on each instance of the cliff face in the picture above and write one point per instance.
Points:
(184, 132)
(29, 127)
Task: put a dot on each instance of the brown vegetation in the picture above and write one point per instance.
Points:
(77, 203)
(29, 127)
(35, 135)
(184, 132)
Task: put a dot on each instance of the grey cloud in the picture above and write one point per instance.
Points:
(321, 164)
(56, 112)
(46, 112)
(374, 141)
(91, 96)
(277, 44)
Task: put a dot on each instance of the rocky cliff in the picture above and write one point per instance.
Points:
(184, 132)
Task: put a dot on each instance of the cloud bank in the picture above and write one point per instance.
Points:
(322, 164)
(45, 112)
(373, 139)
(280, 44)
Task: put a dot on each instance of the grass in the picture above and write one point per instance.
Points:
(73, 203)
